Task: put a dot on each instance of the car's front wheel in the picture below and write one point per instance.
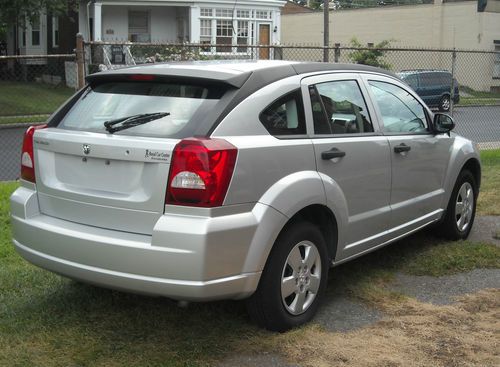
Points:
(461, 209)
(293, 281)
(445, 103)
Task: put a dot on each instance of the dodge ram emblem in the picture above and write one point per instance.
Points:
(86, 148)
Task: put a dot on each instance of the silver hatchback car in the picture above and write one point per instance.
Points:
(237, 180)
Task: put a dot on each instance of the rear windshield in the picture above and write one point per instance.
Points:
(186, 104)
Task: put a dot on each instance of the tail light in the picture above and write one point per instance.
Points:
(27, 157)
(200, 172)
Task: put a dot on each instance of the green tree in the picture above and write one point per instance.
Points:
(12, 11)
(370, 56)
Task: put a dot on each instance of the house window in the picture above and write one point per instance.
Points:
(261, 14)
(205, 12)
(35, 33)
(55, 31)
(496, 66)
(242, 35)
(206, 33)
(234, 27)
(243, 14)
(138, 26)
(224, 13)
(224, 35)
(23, 34)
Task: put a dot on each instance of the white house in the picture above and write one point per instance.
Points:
(231, 22)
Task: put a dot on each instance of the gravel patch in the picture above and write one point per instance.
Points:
(262, 360)
(484, 229)
(443, 290)
(341, 314)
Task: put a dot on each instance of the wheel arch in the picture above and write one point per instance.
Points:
(473, 165)
(324, 219)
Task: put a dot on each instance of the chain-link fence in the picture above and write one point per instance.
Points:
(33, 87)
(474, 101)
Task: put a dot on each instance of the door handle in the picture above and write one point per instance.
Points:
(332, 153)
(402, 148)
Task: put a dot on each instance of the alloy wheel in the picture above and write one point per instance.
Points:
(301, 277)
(464, 206)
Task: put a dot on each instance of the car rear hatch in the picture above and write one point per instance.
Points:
(87, 175)
(119, 184)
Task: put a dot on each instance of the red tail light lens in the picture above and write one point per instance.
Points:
(27, 157)
(142, 77)
(200, 172)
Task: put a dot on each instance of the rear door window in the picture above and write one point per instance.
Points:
(285, 116)
(185, 103)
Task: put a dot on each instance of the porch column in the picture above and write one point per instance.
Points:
(83, 23)
(194, 24)
(97, 22)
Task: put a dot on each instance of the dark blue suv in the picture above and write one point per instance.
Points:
(433, 86)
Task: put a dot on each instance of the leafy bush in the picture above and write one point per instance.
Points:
(370, 56)
(161, 53)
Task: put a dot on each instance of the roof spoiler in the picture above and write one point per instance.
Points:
(190, 76)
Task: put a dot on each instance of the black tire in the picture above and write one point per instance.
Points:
(266, 306)
(449, 227)
(445, 103)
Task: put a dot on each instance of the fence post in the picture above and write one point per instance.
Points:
(326, 29)
(337, 52)
(80, 62)
(453, 66)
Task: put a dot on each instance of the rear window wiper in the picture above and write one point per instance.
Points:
(132, 121)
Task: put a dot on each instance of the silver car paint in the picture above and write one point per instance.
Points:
(202, 254)
(365, 190)
(129, 192)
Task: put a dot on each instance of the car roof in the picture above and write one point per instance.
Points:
(232, 72)
(417, 71)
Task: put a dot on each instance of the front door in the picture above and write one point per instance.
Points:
(353, 154)
(264, 39)
(419, 157)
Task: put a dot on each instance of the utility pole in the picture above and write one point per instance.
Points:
(326, 29)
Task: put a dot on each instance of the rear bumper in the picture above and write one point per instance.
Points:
(192, 258)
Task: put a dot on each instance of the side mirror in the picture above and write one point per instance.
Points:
(443, 123)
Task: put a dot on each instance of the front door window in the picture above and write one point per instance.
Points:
(401, 112)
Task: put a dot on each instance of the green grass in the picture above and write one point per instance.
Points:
(489, 198)
(478, 98)
(23, 98)
(23, 119)
(454, 257)
(473, 101)
(46, 320)
(479, 94)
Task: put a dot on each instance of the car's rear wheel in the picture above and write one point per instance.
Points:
(461, 209)
(293, 281)
(445, 103)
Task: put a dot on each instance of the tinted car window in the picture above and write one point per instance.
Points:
(444, 79)
(285, 116)
(343, 108)
(428, 79)
(108, 101)
(411, 80)
(401, 112)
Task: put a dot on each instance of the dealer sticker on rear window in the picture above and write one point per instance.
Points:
(157, 155)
